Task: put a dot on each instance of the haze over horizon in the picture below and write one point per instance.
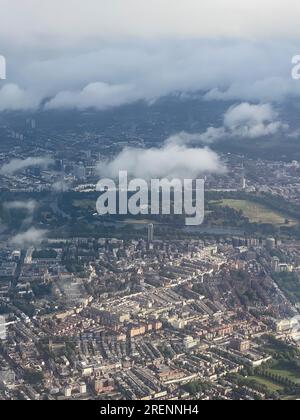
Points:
(70, 55)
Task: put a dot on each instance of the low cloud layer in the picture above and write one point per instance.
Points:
(31, 237)
(17, 165)
(253, 121)
(177, 157)
(29, 205)
(245, 121)
(98, 54)
(14, 98)
(60, 186)
(105, 74)
(271, 88)
(171, 160)
(95, 95)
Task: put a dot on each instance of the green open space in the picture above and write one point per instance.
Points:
(286, 370)
(289, 283)
(84, 204)
(258, 213)
(271, 385)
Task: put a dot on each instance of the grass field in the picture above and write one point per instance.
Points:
(291, 398)
(272, 386)
(282, 369)
(84, 204)
(258, 213)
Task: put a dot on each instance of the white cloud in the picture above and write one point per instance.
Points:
(209, 136)
(31, 237)
(112, 74)
(60, 186)
(171, 160)
(14, 98)
(240, 121)
(95, 95)
(29, 205)
(97, 53)
(248, 114)
(267, 89)
(252, 121)
(177, 159)
(16, 165)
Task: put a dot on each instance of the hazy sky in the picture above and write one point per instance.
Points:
(104, 53)
(28, 21)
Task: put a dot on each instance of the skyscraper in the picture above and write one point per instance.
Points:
(2, 328)
(79, 171)
(150, 232)
(243, 183)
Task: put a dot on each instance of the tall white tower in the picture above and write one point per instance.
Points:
(2, 328)
(150, 232)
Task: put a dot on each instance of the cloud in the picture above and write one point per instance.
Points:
(294, 134)
(171, 160)
(31, 237)
(60, 186)
(97, 54)
(14, 98)
(95, 95)
(211, 135)
(118, 72)
(29, 205)
(68, 21)
(245, 120)
(268, 89)
(253, 121)
(17, 165)
(176, 158)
